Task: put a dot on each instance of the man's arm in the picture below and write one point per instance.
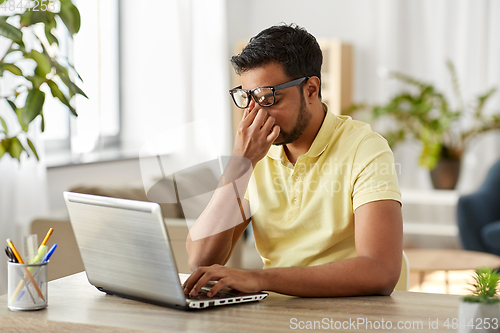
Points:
(212, 238)
(208, 249)
(375, 270)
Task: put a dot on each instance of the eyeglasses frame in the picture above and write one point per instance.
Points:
(288, 84)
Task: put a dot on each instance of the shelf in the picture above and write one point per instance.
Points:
(430, 197)
(413, 228)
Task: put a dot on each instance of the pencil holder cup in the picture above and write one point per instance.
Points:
(27, 286)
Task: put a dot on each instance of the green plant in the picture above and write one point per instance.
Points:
(51, 72)
(425, 115)
(485, 287)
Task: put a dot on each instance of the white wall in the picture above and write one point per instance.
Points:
(150, 74)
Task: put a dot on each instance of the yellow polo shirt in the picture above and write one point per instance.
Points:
(303, 214)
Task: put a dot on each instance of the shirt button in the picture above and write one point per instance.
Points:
(295, 200)
(297, 178)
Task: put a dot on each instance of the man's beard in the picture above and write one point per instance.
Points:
(303, 120)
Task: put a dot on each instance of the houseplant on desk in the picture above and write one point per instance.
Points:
(481, 310)
(30, 40)
(425, 115)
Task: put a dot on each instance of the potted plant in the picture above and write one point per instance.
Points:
(51, 72)
(425, 115)
(481, 310)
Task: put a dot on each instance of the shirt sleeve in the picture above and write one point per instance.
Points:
(374, 175)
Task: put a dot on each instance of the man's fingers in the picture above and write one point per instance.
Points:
(249, 118)
(193, 279)
(274, 134)
(218, 286)
(209, 274)
(195, 289)
(268, 124)
(249, 108)
(259, 118)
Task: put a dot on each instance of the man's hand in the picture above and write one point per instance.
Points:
(242, 280)
(256, 132)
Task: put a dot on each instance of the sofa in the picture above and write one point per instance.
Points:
(478, 215)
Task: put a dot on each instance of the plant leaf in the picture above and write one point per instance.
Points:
(42, 125)
(24, 126)
(77, 90)
(42, 61)
(12, 105)
(73, 88)
(70, 16)
(4, 125)
(50, 36)
(62, 72)
(34, 105)
(2, 148)
(481, 101)
(14, 147)
(11, 32)
(455, 82)
(57, 93)
(33, 149)
(42, 16)
(13, 69)
(36, 80)
(74, 69)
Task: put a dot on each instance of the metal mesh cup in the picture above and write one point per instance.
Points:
(27, 286)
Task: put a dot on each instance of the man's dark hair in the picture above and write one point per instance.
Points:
(296, 50)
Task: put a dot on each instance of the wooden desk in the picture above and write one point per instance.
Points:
(76, 306)
(429, 260)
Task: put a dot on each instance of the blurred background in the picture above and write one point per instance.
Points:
(150, 66)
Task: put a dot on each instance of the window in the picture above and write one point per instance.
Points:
(94, 52)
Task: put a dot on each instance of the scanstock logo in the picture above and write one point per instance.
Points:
(182, 171)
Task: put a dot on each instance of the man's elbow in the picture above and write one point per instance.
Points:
(193, 263)
(200, 258)
(195, 259)
(385, 284)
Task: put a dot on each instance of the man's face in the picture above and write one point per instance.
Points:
(290, 110)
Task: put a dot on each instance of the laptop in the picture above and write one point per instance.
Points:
(126, 252)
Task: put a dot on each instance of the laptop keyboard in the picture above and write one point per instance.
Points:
(221, 294)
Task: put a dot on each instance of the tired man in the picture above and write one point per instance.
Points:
(329, 220)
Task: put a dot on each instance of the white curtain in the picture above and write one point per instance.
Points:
(416, 37)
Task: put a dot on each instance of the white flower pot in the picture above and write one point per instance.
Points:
(478, 317)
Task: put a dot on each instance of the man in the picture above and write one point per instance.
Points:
(329, 217)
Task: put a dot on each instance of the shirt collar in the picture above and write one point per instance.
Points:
(320, 142)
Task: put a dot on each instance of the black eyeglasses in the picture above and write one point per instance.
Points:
(264, 96)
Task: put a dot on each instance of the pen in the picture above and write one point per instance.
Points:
(45, 259)
(49, 254)
(10, 254)
(27, 273)
(45, 240)
(42, 249)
